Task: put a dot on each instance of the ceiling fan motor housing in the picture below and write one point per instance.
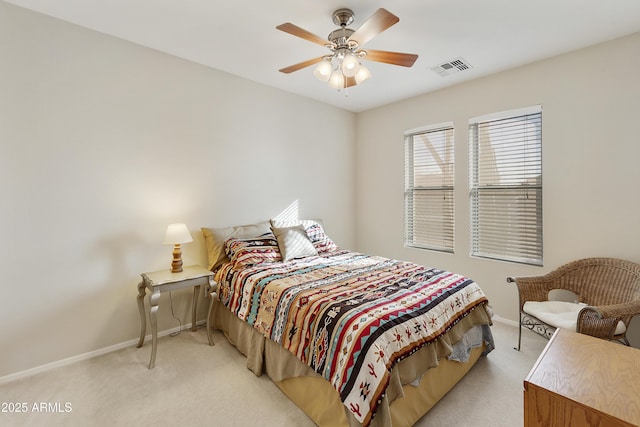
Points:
(340, 36)
(343, 17)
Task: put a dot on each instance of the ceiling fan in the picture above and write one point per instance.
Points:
(343, 67)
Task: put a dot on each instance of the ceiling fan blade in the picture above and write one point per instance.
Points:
(350, 81)
(377, 23)
(290, 28)
(300, 65)
(395, 58)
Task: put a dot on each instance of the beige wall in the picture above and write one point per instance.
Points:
(591, 105)
(102, 144)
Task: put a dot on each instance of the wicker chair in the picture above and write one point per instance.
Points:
(607, 289)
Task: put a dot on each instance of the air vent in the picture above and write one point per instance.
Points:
(451, 67)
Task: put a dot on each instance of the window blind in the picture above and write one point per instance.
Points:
(428, 195)
(506, 187)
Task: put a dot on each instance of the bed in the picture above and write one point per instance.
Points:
(352, 339)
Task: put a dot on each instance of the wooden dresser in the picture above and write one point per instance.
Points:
(581, 381)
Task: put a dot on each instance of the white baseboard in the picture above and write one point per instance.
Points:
(70, 360)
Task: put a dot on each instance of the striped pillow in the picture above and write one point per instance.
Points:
(253, 250)
(320, 240)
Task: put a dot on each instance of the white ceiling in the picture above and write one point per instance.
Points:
(239, 36)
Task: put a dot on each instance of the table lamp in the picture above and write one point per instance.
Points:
(175, 235)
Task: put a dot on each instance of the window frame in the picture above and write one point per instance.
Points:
(411, 238)
(527, 247)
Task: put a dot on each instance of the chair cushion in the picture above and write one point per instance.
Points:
(560, 314)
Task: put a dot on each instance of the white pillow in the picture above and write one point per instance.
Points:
(294, 242)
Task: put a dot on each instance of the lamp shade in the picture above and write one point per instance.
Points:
(336, 80)
(350, 65)
(176, 234)
(323, 70)
(362, 74)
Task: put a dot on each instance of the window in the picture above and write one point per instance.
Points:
(428, 191)
(506, 186)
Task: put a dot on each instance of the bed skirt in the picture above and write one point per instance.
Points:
(417, 382)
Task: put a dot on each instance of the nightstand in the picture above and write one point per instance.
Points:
(164, 281)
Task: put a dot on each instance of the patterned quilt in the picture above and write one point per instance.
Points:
(349, 316)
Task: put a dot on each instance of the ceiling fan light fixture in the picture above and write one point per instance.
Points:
(323, 70)
(362, 74)
(336, 81)
(350, 65)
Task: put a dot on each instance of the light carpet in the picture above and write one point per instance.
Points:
(196, 385)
